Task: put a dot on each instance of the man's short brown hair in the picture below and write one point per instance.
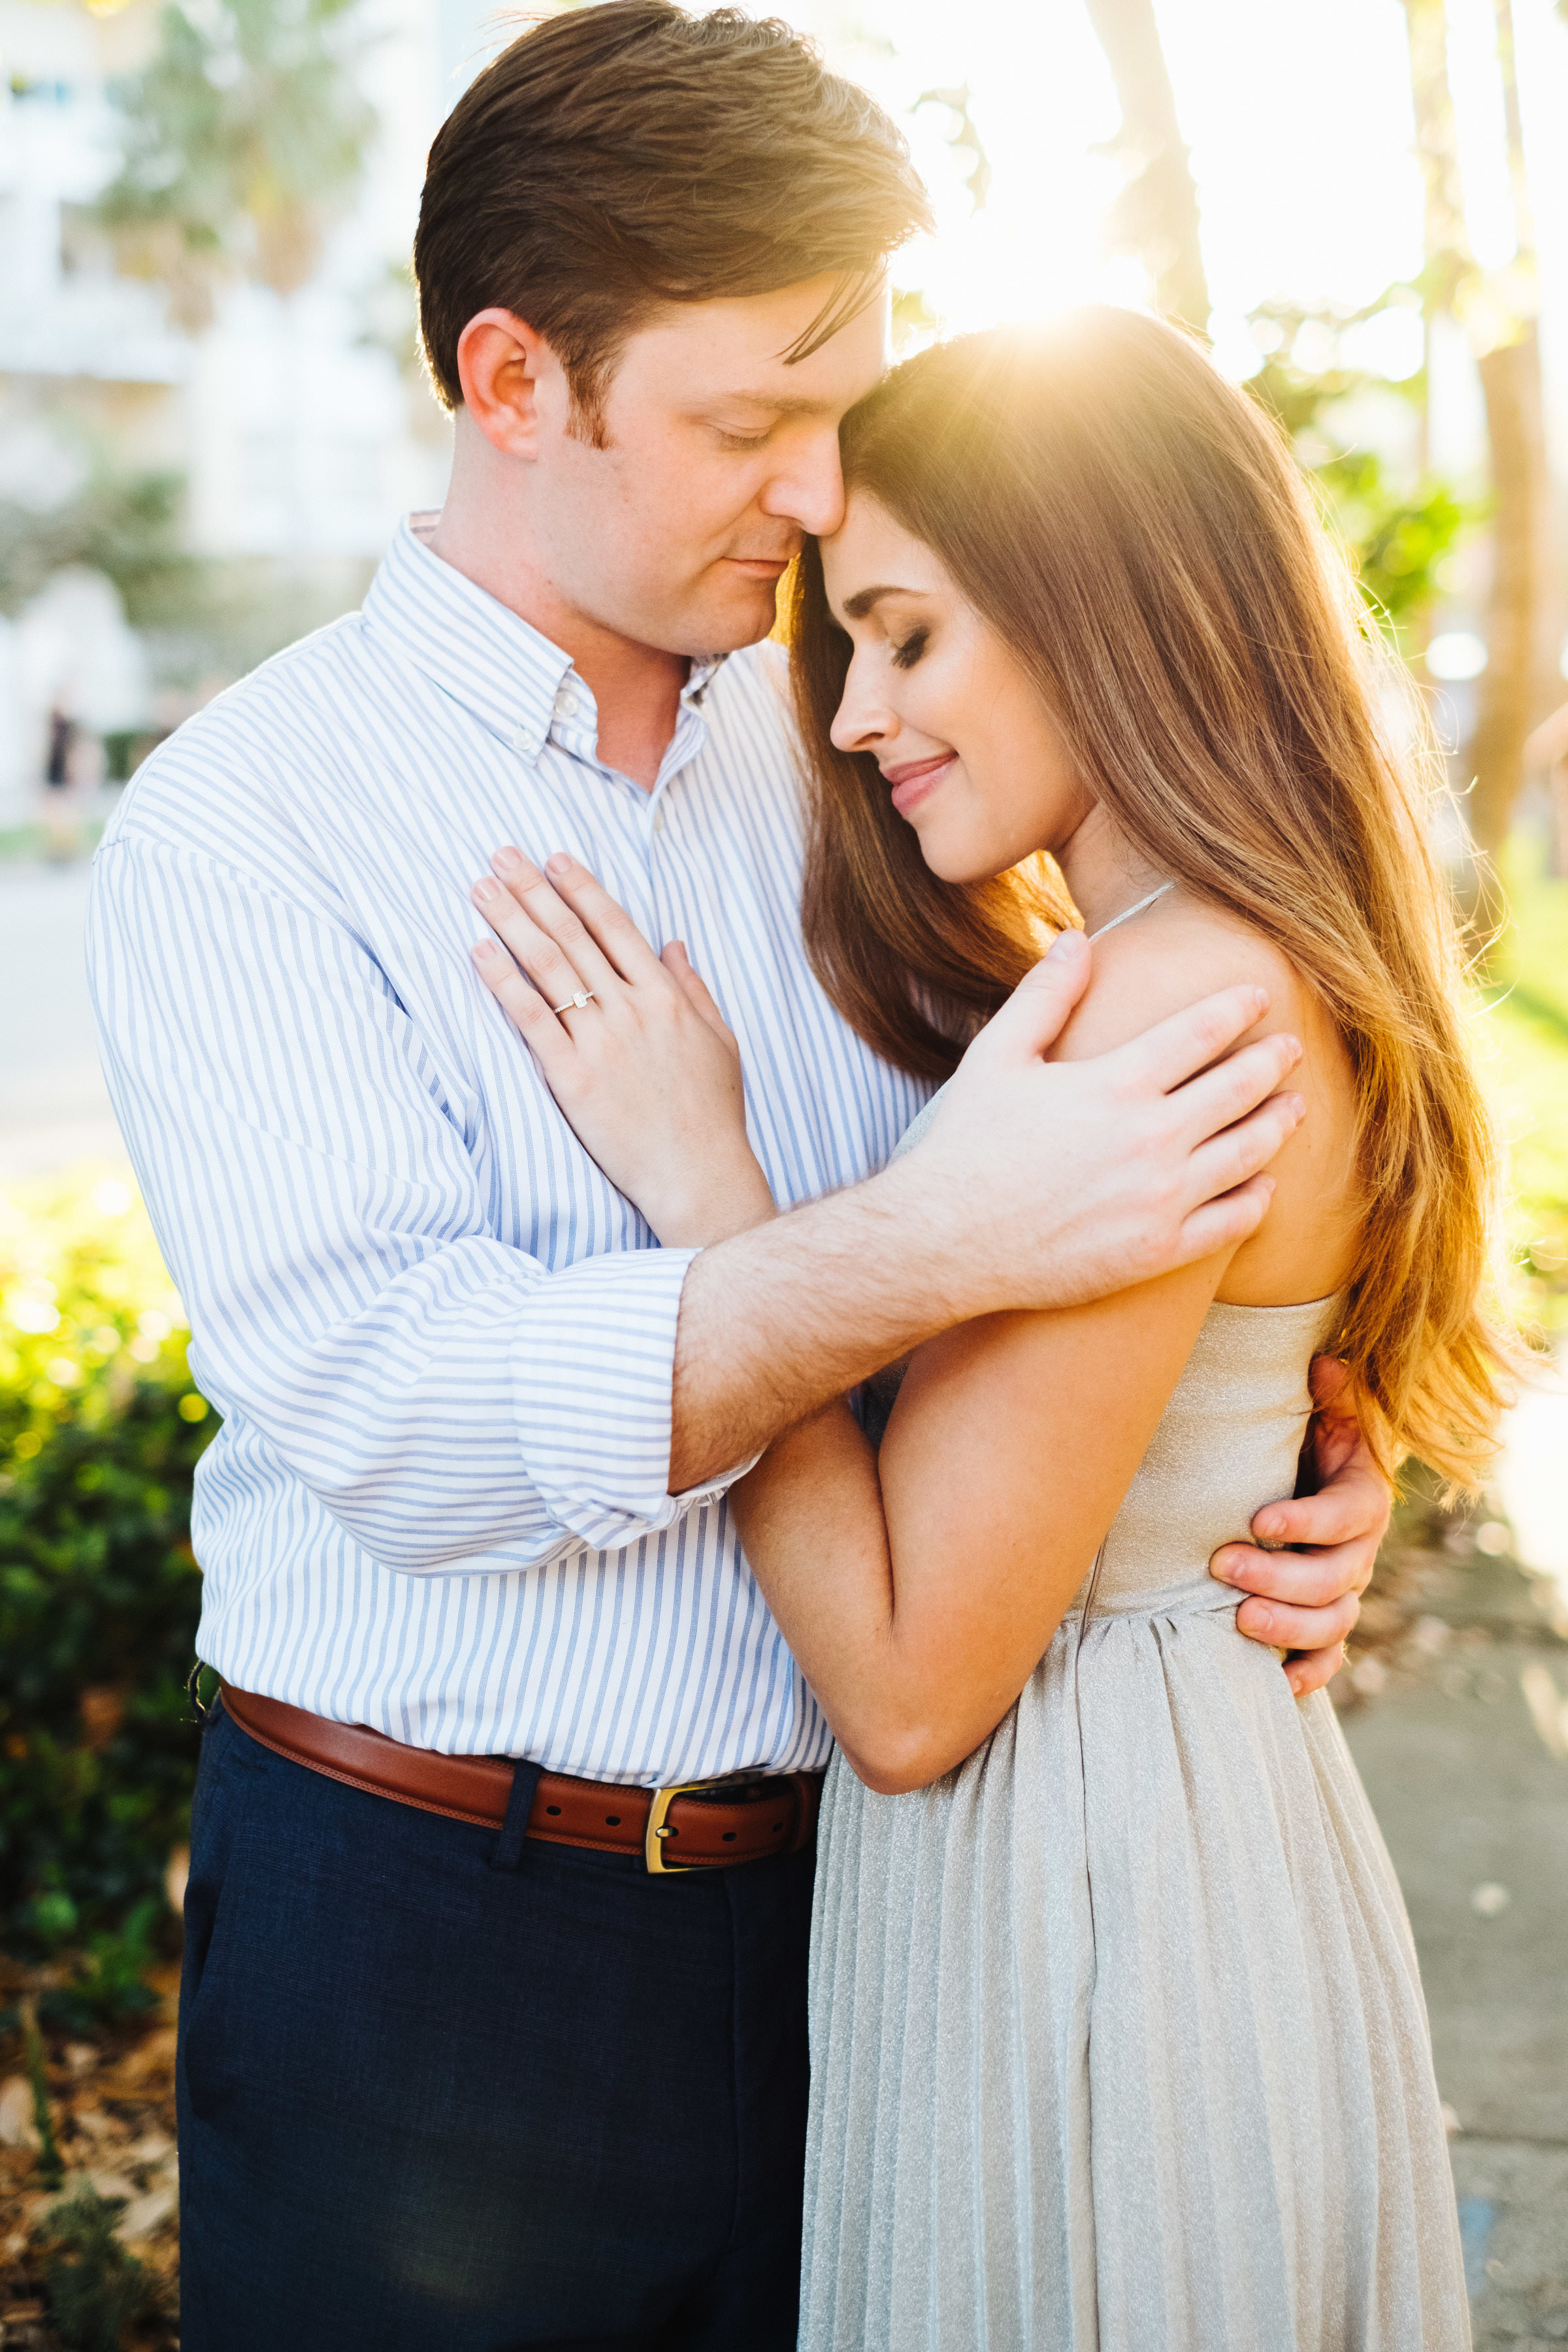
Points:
(628, 155)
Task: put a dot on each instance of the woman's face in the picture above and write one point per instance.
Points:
(972, 756)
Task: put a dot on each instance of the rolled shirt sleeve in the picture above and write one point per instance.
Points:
(593, 1364)
(445, 1396)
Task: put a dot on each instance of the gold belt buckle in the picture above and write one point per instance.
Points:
(659, 1827)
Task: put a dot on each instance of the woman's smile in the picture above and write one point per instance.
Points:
(916, 778)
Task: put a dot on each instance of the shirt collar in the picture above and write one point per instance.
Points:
(490, 660)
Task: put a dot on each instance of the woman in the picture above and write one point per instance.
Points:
(1117, 2038)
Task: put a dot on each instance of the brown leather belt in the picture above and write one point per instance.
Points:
(690, 1825)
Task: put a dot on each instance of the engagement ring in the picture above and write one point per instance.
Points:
(576, 1003)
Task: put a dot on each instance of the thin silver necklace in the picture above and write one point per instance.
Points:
(1127, 912)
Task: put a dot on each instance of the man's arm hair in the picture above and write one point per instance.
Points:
(1094, 1175)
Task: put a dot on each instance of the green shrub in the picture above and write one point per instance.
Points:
(101, 1432)
(93, 2288)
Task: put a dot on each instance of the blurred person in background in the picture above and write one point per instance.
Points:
(494, 2022)
(1117, 2032)
(73, 769)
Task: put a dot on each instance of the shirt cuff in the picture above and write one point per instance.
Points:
(593, 1364)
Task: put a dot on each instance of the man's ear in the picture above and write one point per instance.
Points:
(504, 367)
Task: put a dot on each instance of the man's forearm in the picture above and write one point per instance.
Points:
(780, 1319)
(1096, 1174)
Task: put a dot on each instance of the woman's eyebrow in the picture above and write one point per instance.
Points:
(855, 607)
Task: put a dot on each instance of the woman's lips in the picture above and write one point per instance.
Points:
(911, 783)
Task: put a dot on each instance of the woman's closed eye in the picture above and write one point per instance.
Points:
(905, 654)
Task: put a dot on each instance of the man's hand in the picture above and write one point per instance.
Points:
(1309, 1597)
(1040, 1185)
(1048, 1184)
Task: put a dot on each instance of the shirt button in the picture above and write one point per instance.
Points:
(658, 820)
(566, 704)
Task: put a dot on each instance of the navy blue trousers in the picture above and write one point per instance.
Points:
(435, 2096)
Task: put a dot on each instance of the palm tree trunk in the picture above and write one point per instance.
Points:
(1512, 684)
(1514, 679)
(1156, 214)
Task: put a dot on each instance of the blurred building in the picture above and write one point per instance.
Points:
(299, 426)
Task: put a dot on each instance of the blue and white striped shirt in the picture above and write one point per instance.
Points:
(440, 1341)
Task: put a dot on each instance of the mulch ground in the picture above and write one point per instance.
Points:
(111, 2103)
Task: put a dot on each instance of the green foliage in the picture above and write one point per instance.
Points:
(1399, 538)
(93, 2288)
(1399, 534)
(242, 133)
(126, 524)
(99, 1591)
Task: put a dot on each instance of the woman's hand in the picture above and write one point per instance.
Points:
(630, 1044)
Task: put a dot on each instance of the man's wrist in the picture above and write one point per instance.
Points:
(941, 1241)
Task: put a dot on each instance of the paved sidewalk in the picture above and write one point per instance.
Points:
(1465, 1756)
(54, 1105)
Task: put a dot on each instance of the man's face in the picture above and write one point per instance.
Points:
(717, 456)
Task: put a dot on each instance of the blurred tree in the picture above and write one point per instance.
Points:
(126, 524)
(1397, 534)
(242, 136)
(1156, 214)
(1498, 312)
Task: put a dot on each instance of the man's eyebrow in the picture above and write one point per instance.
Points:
(783, 404)
(855, 607)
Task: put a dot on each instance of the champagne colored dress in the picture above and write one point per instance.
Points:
(1118, 2040)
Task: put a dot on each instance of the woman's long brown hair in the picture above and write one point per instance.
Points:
(1138, 534)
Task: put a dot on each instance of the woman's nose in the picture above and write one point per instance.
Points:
(860, 724)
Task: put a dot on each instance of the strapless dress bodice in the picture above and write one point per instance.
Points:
(1227, 1443)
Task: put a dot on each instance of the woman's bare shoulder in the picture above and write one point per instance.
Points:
(1180, 952)
(1177, 952)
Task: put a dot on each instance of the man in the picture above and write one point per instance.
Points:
(464, 2061)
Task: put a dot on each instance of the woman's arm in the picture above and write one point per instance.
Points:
(634, 1098)
(919, 1588)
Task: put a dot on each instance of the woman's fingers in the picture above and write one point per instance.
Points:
(550, 914)
(693, 987)
(603, 918)
(527, 1011)
(546, 963)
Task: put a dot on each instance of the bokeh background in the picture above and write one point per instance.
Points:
(211, 414)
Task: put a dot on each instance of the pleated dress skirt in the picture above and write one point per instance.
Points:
(1117, 2038)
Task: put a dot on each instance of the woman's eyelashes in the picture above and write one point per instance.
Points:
(905, 654)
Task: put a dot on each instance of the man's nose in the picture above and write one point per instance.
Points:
(809, 490)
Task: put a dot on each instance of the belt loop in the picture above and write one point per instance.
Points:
(514, 1835)
(200, 1716)
(805, 1789)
